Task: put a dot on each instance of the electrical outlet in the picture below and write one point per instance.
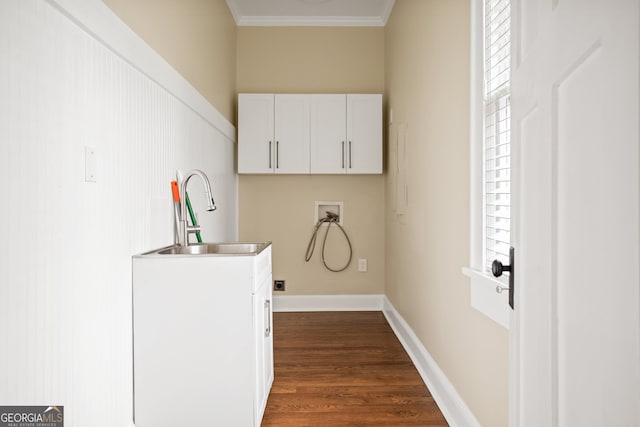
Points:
(362, 265)
(278, 285)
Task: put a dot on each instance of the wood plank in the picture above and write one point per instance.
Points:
(344, 369)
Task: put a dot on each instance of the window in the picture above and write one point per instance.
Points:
(497, 130)
(490, 154)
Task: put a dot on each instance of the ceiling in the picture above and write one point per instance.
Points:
(372, 13)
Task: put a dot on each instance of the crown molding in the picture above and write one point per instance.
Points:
(387, 13)
(234, 10)
(329, 20)
(310, 21)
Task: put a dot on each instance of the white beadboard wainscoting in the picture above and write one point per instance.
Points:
(73, 76)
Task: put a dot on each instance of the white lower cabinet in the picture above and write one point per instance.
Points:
(263, 327)
(203, 342)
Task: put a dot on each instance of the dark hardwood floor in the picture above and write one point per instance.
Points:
(344, 369)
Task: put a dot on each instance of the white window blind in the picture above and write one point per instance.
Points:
(497, 130)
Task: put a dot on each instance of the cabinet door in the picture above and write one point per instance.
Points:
(263, 324)
(256, 146)
(291, 134)
(364, 134)
(268, 340)
(328, 134)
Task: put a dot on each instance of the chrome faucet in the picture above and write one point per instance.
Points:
(185, 228)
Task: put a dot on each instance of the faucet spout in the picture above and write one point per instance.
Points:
(185, 228)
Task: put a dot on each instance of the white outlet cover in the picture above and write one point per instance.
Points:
(90, 164)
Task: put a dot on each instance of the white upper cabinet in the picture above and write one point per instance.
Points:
(318, 134)
(328, 134)
(255, 130)
(273, 133)
(291, 134)
(364, 134)
(346, 134)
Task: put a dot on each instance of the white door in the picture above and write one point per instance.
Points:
(292, 133)
(576, 331)
(328, 134)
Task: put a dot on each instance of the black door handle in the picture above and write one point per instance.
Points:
(497, 268)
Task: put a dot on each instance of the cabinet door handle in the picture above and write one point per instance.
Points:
(277, 154)
(342, 154)
(269, 154)
(267, 318)
(350, 155)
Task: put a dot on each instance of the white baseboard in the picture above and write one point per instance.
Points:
(328, 303)
(453, 407)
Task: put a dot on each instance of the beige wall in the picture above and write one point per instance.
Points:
(310, 59)
(427, 86)
(197, 37)
(280, 208)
